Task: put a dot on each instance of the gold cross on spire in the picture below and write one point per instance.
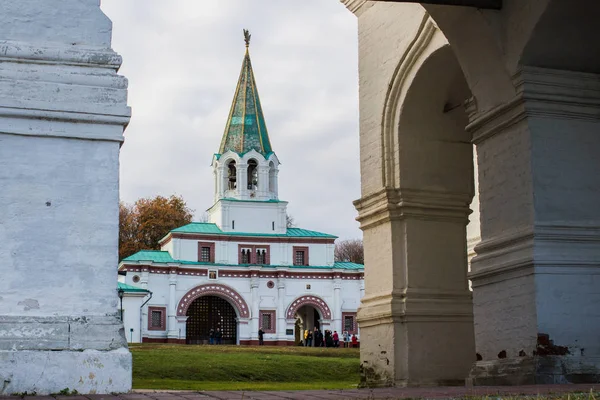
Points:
(247, 37)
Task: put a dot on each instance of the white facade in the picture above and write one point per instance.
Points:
(282, 280)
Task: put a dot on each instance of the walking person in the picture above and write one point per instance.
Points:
(261, 337)
(211, 336)
(354, 341)
(336, 339)
(218, 335)
(309, 339)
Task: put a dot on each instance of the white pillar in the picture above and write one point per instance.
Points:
(63, 109)
(172, 323)
(263, 182)
(242, 181)
(337, 304)
(254, 307)
(281, 325)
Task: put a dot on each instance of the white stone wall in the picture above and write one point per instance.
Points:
(249, 216)
(63, 109)
(227, 252)
(158, 284)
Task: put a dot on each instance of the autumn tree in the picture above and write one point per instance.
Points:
(144, 223)
(349, 250)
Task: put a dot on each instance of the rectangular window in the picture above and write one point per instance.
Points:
(213, 274)
(232, 224)
(261, 256)
(349, 322)
(246, 256)
(273, 224)
(254, 254)
(157, 318)
(267, 321)
(300, 255)
(206, 252)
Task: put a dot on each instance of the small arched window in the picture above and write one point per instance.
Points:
(252, 174)
(231, 175)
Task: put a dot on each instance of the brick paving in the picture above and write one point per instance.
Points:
(367, 394)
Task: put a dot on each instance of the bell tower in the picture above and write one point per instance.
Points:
(246, 169)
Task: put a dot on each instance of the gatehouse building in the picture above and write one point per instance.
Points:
(244, 269)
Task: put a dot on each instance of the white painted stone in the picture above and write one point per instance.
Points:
(88, 371)
(63, 109)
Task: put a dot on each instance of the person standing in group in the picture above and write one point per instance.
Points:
(211, 336)
(261, 337)
(336, 339)
(305, 337)
(309, 339)
(218, 335)
(354, 341)
(345, 339)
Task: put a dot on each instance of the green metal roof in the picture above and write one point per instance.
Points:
(130, 289)
(246, 129)
(151, 255)
(164, 257)
(208, 228)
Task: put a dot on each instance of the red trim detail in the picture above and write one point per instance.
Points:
(314, 301)
(231, 273)
(305, 250)
(163, 318)
(268, 343)
(162, 340)
(354, 323)
(211, 245)
(223, 291)
(273, 321)
(246, 239)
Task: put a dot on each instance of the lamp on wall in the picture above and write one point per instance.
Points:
(121, 292)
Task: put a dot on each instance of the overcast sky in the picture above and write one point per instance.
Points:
(183, 58)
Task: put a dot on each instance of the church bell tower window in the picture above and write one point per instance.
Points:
(232, 175)
(252, 175)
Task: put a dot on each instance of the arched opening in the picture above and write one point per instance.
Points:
(252, 174)
(308, 319)
(208, 313)
(272, 177)
(425, 261)
(232, 175)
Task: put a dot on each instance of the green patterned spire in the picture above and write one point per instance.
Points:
(246, 128)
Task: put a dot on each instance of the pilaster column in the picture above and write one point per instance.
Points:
(242, 181)
(255, 306)
(172, 323)
(63, 109)
(263, 182)
(281, 325)
(417, 300)
(535, 272)
(337, 304)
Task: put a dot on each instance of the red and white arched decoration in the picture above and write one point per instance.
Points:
(314, 301)
(223, 291)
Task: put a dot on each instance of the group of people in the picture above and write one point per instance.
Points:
(215, 337)
(316, 338)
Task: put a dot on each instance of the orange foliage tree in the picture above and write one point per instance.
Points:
(144, 223)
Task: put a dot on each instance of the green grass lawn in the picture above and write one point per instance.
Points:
(181, 367)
